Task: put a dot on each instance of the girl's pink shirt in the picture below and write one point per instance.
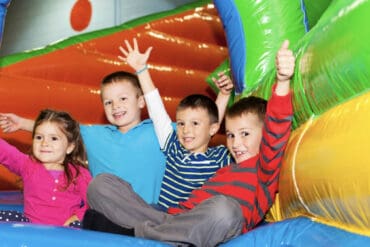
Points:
(46, 201)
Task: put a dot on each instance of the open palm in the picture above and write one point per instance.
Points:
(132, 55)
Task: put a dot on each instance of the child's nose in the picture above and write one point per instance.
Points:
(186, 128)
(236, 142)
(44, 142)
(115, 105)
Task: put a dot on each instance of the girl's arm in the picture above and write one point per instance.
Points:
(12, 158)
(83, 181)
(10, 122)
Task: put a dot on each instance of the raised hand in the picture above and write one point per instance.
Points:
(132, 55)
(285, 62)
(10, 122)
(223, 83)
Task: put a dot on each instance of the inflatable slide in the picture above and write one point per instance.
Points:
(324, 194)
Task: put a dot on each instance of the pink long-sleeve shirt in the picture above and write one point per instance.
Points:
(46, 201)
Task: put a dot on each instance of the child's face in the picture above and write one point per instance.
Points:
(243, 136)
(50, 145)
(122, 105)
(194, 129)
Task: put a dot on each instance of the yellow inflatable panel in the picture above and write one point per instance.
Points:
(326, 170)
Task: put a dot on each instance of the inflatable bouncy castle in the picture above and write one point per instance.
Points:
(324, 192)
(325, 175)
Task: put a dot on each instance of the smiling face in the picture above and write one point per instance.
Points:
(243, 135)
(194, 129)
(122, 104)
(50, 145)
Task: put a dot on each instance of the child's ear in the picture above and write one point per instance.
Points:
(141, 101)
(214, 128)
(70, 148)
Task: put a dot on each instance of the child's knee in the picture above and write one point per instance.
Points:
(227, 210)
(225, 216)
(98, 187)
(94, 185)
(105, 184)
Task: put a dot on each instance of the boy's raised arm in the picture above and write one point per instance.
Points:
(138, 61)
(225, 86)
(285, 62)
(279, 116)
(10, 122)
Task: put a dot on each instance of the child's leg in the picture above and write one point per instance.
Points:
(115, 199)
(212, 222)
(7, 215)
(93, 220)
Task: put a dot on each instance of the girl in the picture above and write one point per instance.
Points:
(55, 175)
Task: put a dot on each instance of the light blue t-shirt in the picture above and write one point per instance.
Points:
(134, 156)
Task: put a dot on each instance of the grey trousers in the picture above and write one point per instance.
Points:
(210, 223)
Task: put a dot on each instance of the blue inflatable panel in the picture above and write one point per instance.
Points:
(236, 41)
(3, 9)
(298, 232)
(32, 235)
(293, 232)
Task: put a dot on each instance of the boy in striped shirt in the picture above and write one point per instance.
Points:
(189, 160)
(237, 197)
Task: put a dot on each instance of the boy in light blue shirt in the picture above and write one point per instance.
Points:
(190, 161)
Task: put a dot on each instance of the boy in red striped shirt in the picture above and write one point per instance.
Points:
(237, 197)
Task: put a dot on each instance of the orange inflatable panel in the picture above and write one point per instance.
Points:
(67, 75)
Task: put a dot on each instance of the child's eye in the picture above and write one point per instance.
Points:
(180, 124)
(107, 102)
(54, 138)
(123, 98)
(37, 137)
(245, 133)
(195, 123)
(229, 135)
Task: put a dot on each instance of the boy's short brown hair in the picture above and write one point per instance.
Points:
(194, 101)
(251, 104)
(119, 76)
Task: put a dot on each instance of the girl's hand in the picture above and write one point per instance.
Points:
(223, 83)
(73, 218)
(10, 122)
(133, 57)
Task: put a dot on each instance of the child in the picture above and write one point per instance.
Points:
(236, 198)
(190, 162)
(55, 176)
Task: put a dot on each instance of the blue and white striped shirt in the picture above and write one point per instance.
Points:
(187, 171)
(184, 171)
